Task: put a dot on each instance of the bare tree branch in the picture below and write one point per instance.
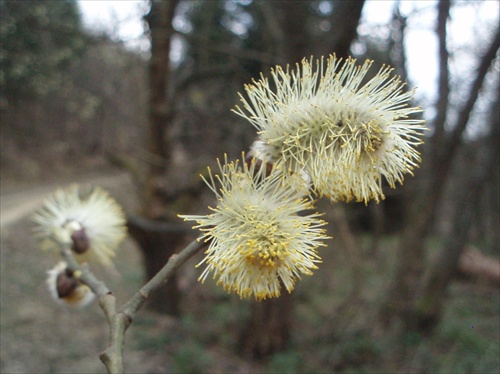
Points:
(412, 253)
(444, 73)
(466, 111)
(431, 297)
(248, 54)
(157, 226)
(119, 320)
(175, 261)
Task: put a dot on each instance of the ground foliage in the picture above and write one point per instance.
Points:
(331, 334)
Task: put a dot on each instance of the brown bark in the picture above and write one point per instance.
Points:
(344, 20)
(397, 49)
(444, 74)
(160, 25)
(294, 40)
(377, 222)
(353, 248)
(269, 327)
(157, 245)
(294, 16)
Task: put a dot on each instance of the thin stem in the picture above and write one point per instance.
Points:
(112, 357)
(173, 263)
(85, 274)
(120, 320)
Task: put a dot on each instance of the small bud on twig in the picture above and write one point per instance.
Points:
(80, 241)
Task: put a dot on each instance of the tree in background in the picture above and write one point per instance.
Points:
(280, 31)
(158, 244)
(64, 100)
(431, 296)
(293, 34)
(417, 305)
(40, 40)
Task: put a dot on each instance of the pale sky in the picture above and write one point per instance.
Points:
(122, 19)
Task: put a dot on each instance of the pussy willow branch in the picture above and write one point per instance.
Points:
(173, 263)
(119, 320)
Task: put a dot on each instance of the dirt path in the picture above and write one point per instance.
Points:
(17, 204)
(37, 336)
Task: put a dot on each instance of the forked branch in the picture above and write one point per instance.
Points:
(119, 320)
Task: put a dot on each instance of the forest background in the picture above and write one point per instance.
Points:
(410, 284)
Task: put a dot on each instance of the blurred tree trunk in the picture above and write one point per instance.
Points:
(430, 300)
(344, 19)
(420, 217)
(271, 321)
(158, 245)
(377, 224)
(348, 240)
(387, 213)
(269, 328)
